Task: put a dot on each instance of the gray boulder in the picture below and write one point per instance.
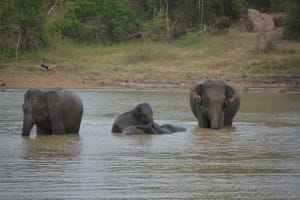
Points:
(259, 22)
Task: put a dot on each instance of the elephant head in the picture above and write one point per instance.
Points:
(209, 101)
(144, 115)
(34, 109)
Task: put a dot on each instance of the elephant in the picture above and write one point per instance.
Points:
(140, 120)
(214, 103)
(132, 130)
(141, 117)
(54, 111)
(172, 128)
(163, 129)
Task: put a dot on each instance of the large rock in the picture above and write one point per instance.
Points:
(269, 22)
(259, 22)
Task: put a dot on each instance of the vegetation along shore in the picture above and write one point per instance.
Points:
(150, 45)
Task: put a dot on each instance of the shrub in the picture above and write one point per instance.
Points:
(292, 24)
(99, 21)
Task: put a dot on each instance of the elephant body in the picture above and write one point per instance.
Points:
(141, 117)
(54, 111)
(172, 128)
(140, 120)
(214, 103)
(163, 129)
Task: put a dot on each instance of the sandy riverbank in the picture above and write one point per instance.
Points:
(53, 79)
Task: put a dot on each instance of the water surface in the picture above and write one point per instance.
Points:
(257, 159)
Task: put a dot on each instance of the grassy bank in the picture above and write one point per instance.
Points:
(234, 55)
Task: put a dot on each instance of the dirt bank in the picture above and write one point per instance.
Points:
(63, 79)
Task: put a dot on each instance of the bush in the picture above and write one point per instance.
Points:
(99, 21)
(6, 51)
(189, 39)
(292, 25)
(155, 29)
(22, 22)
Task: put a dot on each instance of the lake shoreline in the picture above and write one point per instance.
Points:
(257, 84)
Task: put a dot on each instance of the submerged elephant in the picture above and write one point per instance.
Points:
(214, 103)
(55, 111)
(140, 120)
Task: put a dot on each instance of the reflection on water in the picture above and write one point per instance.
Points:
(257, 159)
(65, 146)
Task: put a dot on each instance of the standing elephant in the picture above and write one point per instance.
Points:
(55, 111)
(140, 120)
(214, 103)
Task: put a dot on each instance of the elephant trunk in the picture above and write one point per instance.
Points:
(216, 119)
(27, 125)
(146, 126)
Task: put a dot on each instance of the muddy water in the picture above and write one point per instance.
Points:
(257, 159)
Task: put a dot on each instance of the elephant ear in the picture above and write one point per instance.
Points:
(197, 94)
(37, 99)
(230, 94)
(137, 111)
(52, 99)
(55, 111)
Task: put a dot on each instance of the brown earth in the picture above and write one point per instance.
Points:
(61, 78)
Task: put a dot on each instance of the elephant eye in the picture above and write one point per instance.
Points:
(143, 118)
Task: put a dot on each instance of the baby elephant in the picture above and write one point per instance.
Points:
(55, 111)
(140, 120)
(214, 103)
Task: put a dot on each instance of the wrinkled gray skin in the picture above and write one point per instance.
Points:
(139, 121)
(55, 111)
(173, 128)
(214, 103)
(163, 129)
(141, 117)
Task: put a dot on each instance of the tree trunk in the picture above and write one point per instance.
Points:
(18, 44)
(202, 12)
(167, 20)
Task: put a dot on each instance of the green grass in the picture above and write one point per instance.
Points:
(284, 68)
(197, 55)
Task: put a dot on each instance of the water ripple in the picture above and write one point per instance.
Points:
(257, 159)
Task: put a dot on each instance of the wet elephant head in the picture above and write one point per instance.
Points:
(144, 115)
(214, 103)
(34, 109)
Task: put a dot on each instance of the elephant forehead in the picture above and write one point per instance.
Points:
(146, 113)
(145, 107)
(215, 90)
(33, 96)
